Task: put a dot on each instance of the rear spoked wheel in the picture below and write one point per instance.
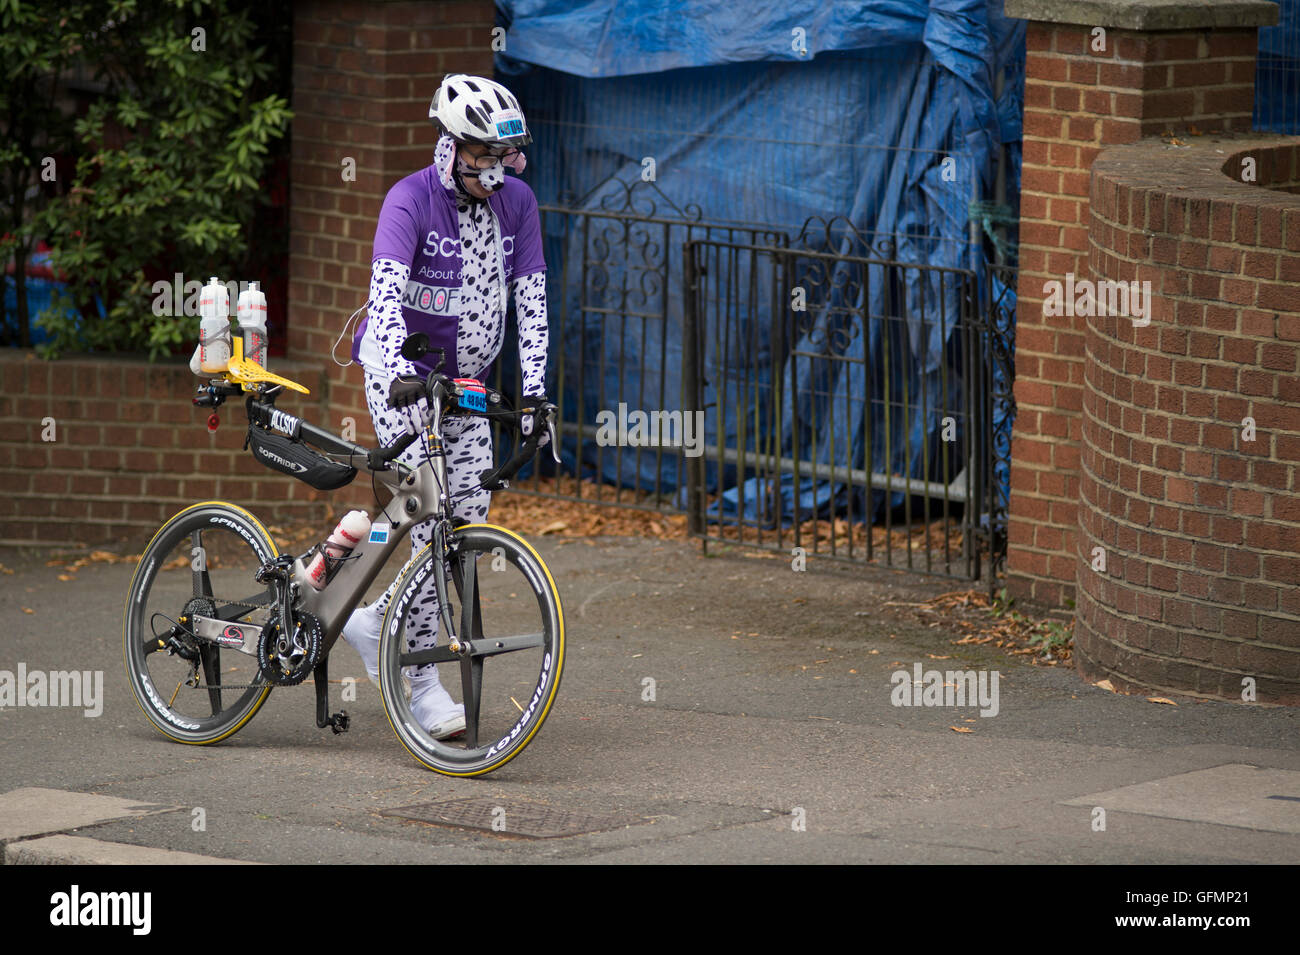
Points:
(503, 601)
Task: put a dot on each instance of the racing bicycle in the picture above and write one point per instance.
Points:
(217, 616)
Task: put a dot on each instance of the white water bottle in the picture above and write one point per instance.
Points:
(213, 353)
(251, 312)
(351, 530)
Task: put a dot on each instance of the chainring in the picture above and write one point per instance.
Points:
(291, 664)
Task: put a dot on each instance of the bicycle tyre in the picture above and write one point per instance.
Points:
(537, 663)
(232, 538)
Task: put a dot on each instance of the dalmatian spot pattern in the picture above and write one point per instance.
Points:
(386, 324)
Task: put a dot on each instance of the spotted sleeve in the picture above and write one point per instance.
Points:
(530, 311)
(387, 326)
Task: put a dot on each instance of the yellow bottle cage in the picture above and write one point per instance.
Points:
(248, 374)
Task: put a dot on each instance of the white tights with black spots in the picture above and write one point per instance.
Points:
(469, 453)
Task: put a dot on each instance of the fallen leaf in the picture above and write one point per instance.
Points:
(553, 527)
(961, 729)
(934, 656)
(970, 720)
(28, 610)
(1160, 699)
(1105, 685)
(873, 652)
(67, 577)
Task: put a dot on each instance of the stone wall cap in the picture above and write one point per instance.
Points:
(1148, 15)
(1195, 169)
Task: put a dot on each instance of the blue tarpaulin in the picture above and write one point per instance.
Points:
(770, 113)
(1277, 77)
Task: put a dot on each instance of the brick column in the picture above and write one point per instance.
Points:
(363, 76)
(1098, 73)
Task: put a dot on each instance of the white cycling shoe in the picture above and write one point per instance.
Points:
(362, 634)
(432, 705)
(434, 708)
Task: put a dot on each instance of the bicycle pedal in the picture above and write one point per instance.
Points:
(340, 722)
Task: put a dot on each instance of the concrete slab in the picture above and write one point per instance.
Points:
(1248, 797)
(25, 813)
(78, 850)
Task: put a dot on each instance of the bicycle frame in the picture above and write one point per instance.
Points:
(418, 495)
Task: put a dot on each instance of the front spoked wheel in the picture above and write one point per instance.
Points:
(503, 601)
(192, 607)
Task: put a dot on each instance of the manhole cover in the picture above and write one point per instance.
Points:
(512, 817)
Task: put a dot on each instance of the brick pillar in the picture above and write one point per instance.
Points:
(363, 76)
(1098, 73)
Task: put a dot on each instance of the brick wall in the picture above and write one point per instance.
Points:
(1147, 78)
(364, 74)
(1199, 526)
(129, 451)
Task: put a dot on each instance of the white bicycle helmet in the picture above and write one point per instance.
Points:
(477, 110)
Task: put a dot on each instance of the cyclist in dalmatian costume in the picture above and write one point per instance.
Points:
(450, 239)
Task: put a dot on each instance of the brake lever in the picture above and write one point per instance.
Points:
(555, 441)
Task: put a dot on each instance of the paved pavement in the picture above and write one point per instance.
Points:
(772, 738)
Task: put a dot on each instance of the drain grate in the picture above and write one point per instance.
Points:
(513, 817)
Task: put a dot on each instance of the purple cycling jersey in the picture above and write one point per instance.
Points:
(418, 225)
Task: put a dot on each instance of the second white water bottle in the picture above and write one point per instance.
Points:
(251, 312)
(351, 530)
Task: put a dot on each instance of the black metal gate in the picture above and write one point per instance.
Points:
(851, 402)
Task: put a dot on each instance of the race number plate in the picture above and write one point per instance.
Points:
(473, 396)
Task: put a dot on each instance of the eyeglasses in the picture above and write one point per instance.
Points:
(487, 159)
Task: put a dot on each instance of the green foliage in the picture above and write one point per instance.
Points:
(1051, 636)
(1048, 637)
(170, 155)
(38, 41)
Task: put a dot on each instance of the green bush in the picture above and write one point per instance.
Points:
(169, 157)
